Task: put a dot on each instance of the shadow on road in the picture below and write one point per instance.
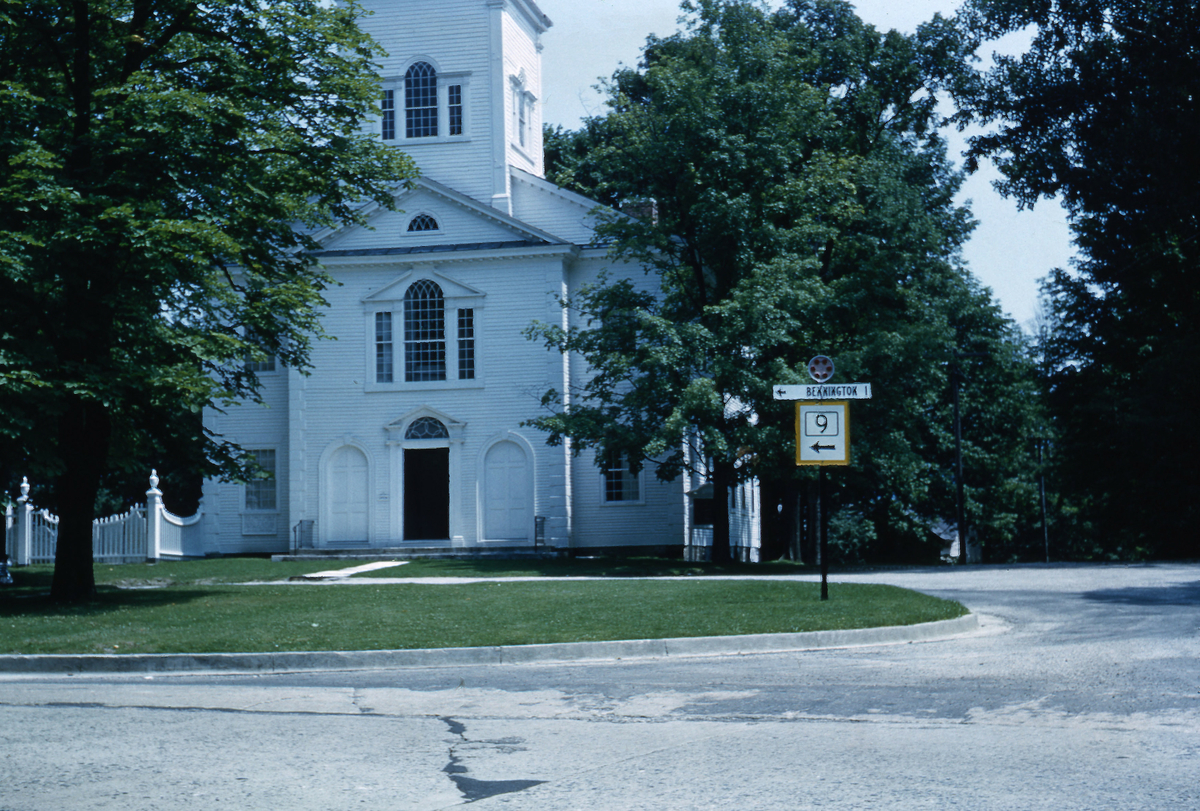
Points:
(1179, 594)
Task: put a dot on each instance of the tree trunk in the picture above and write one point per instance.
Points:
(84, 435)
(723, 479)
(775, 521)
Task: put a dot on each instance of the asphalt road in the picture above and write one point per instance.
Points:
(1081, 690)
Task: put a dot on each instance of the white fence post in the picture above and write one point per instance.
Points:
(154, 508)
(24, 548)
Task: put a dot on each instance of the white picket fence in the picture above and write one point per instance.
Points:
(143, 533)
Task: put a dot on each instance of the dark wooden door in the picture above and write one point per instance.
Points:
(427, 494)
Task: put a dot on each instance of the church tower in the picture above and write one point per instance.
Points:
(460, 90)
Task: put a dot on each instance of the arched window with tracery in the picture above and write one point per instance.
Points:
(426, 428)
(420, 101)
(424, 332)
(423, 222)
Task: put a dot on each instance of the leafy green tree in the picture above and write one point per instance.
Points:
(1101, 111)
(163, 163)
(803, 204)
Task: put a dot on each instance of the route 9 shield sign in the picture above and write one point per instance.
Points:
(823, 433)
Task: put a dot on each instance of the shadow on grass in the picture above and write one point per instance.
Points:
(616, 567)
(33, 600)
(28, 581)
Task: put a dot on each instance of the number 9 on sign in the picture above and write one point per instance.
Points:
(822, 423)
(823, 433)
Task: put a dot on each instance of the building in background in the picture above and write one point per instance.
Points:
(408, 432)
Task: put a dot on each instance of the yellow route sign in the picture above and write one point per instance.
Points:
(823, 433)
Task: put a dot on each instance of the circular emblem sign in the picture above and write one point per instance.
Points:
(820, 368)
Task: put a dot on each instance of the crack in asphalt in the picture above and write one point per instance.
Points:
(472, 789)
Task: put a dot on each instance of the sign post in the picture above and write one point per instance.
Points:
(823, 435)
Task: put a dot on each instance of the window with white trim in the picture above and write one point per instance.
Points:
(454, 98)
(422, 333)
(426, 428)
(265, 364)
(420, 101)
(261, 493)
(522, 116)
(388, 107)
(466, 344)
(522, 119)
(424, 104)
(422, 222)
(621, 484)
(384, 356)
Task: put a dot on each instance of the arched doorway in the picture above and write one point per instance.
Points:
(507, 493)
(346, 489)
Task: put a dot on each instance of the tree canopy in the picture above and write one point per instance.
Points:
(1101, 111)
(148, 148)
(803, 204)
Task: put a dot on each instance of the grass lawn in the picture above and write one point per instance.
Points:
(197, 607)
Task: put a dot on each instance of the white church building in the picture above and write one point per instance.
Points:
(408, 434)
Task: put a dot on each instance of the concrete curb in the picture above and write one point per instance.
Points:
(500, 655)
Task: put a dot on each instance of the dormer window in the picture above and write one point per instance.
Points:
(422, 222)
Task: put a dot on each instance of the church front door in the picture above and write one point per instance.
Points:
(426, 494)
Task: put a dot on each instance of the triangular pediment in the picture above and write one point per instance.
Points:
(451, 288)
(458, 220)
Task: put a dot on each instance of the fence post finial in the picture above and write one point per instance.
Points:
(24, 520)
(154, 508)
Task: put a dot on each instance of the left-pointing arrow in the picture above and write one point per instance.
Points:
(818, 447)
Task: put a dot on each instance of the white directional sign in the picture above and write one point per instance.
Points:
(824, 391)
(823, 433)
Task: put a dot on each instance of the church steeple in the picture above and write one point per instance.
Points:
(461, 89)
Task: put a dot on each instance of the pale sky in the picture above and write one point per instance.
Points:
(1010, 250)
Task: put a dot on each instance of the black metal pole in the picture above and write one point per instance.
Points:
(823, 528)
(960, 520)
(1042, 488)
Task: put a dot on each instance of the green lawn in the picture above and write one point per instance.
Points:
(195, 606)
